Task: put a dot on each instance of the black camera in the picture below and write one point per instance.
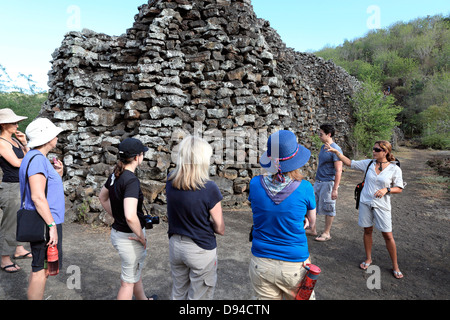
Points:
(150, 221)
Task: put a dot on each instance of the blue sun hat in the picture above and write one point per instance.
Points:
(283, 154)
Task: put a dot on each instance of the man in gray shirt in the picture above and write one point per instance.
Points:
(328, 177)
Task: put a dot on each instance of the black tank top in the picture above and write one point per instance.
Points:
(11, 173)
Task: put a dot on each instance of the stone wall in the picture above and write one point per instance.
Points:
(208, 67)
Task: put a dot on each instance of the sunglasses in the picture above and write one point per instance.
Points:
(377, 149)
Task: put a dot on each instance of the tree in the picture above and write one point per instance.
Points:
(436, 126)
(375, 116)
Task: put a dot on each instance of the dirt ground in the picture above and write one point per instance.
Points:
(421, 220)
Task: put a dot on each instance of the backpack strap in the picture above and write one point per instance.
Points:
(367, 169)
(22, 203)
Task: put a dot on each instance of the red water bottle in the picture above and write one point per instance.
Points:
(52, 260)
(309, 281)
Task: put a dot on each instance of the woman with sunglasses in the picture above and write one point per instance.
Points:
(384, 177)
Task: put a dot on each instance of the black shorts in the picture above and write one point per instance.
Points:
(39, 251)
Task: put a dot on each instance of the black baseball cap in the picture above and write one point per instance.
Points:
(131, 147)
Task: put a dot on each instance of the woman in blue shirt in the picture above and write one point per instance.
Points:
(282, 204)
(50, 204)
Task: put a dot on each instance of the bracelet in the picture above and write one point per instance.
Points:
(52, 224)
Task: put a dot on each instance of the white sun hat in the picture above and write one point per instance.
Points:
(8, 116)
(41, 131)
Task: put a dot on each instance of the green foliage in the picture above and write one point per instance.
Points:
(83, 210)
(413, 59)
(437, 141)
(375, 116)
(436, 126)
(24, 105)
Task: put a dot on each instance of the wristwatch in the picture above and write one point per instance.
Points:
(388, 190)
(52, 224)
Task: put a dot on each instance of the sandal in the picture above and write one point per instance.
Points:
(11, 266)
(25, 256)
(397, 274)
(322, 238)
(364, 265)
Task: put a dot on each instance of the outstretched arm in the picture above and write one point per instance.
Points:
(341, 157)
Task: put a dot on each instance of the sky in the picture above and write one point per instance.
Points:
(30, 30)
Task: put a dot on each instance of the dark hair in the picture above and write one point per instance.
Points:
(327, 128)
(120, 166)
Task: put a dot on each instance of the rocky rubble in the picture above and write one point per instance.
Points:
(207, 67)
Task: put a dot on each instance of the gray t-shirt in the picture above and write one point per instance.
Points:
(326, 170)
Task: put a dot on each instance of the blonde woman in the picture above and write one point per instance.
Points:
(195, 216)
(383, 178)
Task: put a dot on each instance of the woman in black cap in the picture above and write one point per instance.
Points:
(123, 199)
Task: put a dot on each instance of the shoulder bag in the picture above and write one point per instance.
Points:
(31, 227)
(360, 186)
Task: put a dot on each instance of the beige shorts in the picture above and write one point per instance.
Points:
(276, 279)
(370, 216)
(132, 254)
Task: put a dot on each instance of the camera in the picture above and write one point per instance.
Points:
(150, 221)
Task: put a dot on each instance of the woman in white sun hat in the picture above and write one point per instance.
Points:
(13, 147)
(42, 135)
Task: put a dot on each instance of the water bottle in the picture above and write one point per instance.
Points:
(52, 260)
(309, 281)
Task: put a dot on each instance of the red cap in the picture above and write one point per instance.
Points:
(313, 268)
(52, 254)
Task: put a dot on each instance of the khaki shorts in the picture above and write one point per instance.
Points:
(132, 254)
(276, 279)
(194, 270)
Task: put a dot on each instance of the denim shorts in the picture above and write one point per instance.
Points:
(322, 191)
(132, 254)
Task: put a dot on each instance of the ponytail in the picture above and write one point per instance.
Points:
(120, 166)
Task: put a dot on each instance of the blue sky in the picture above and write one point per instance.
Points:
(30, 30)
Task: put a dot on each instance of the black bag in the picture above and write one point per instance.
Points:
(30, 225)
(359, 187)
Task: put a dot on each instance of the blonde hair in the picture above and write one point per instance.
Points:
(192, 164)
(387, 147)
(293, 175)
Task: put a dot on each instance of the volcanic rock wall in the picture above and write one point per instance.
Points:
(207, 67)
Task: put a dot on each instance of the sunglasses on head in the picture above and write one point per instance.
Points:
(377, 149)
